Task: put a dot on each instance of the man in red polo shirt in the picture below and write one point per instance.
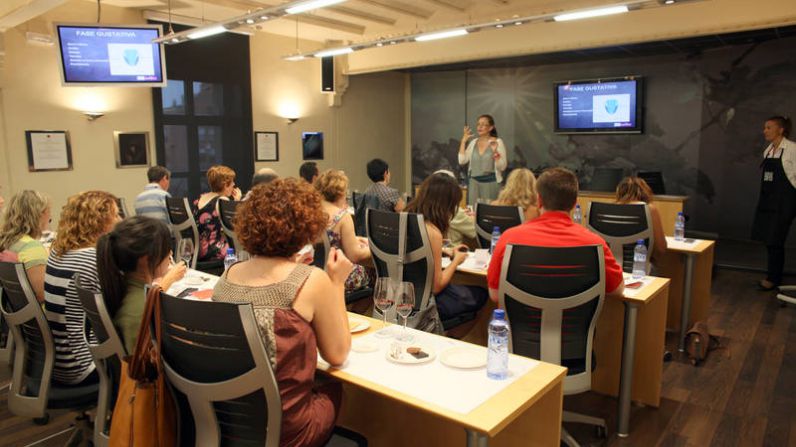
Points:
(557, 192)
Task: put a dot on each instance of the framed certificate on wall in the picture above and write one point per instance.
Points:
(266, 146)
(48, 150)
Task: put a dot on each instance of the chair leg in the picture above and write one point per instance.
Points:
(568, 439)
(578, 418)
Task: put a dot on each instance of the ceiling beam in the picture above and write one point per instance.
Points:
(25, 12)
(401, 7)
(326, 22)
(359, 14)
(451, 4)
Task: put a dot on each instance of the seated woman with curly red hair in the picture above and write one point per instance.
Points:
(300, 309)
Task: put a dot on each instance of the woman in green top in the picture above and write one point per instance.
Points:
(25, 218)
(137, 252)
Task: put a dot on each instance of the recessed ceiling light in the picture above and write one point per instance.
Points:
(499, 25)
(250, 21)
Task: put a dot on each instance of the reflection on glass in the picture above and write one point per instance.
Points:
(203, 185)
(175, 138)
(210, 146)
(178, 187)
(173, 97)
(208, 99)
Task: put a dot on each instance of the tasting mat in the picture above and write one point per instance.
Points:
(456, 390)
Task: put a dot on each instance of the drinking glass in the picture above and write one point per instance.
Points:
(404, 304)
(186, 251)
(383, 299)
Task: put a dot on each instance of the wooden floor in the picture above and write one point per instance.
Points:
(744, 395)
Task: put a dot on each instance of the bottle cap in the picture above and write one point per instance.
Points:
(640, 242)
(679, 213)
(230, 251)
(499, 314)
(496, 228)
(577, 205)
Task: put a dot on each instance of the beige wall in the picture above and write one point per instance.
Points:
(369, 123)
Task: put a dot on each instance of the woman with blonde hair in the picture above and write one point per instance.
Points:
(333, 186)
(636, 190)
(25, 218)
(84, 218)
(212, 242)
(520, 190)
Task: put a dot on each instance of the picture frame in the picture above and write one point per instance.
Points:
(131, 149)
(48, 150)
(266, 146)
(312, 145)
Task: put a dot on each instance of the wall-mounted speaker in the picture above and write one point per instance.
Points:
(327, 74)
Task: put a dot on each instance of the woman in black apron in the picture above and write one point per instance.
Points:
(776, 207)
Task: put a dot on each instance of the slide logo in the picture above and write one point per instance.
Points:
(131, 56)
(611, 106)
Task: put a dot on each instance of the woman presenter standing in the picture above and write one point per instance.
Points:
(776, 207)
(486, 156)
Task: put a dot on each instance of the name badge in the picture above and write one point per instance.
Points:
(768, 176)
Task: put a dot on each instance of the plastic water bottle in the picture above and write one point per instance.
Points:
(639, 260)
(577, 215)
(497, 357)
(679, 227)
(230, 258)
(495, 239)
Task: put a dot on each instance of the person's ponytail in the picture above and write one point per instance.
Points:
(111, 279)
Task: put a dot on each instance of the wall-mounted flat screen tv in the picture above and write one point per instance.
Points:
(599, 106)
(109, 55)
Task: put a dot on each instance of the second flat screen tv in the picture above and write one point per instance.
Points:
(599, 106)
(97, 54)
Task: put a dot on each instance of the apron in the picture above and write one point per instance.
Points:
(776, 206)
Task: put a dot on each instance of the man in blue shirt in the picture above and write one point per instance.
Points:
(152, 201)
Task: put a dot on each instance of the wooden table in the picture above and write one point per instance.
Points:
(668, 206)
(629, 360)
(525, 413)
(690, 267)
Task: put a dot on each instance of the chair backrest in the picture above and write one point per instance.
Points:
(622, 225)
(655, 181)
(487, 217)
(226, 210)
(401, 251)
(552, 297)
(122, 205)
(605, 179)
(107, 356)
(364, 203)
(183, 225)
(34, 354)
(217, 364)
(321, 249)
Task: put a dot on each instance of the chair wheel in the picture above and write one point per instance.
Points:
(601, 432)
(667, 356)
(42, 420)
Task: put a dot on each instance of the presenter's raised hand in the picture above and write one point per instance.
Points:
(467, 133)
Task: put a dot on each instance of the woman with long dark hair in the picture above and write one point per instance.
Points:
(132, 255)
(437, 200)
(776, 207)
(486, 157)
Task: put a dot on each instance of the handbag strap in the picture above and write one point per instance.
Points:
(140, 360)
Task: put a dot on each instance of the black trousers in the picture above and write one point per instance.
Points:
(776, 263)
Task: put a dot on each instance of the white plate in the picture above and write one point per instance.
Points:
(357, 325)
(193, 280)
(409, 359)
(463, 357)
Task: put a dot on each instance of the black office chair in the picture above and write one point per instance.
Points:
(321, 249)
(362, 203)
(605, 179)
(552, 298)
(6, 343)
(107, 354)
(401, 251)
(487, 217)
(183, 226)
(32, 391)
(226, 210)
(232, 400)
(122, 205)
(622, 225)
(655, 181)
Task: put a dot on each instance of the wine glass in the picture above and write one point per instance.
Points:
(186, 251)
(404, 304)
(383, 299)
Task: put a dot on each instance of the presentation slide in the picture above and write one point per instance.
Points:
(110, 55)
(602, 106)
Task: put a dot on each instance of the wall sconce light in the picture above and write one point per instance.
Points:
(91, 116)
(291, 120)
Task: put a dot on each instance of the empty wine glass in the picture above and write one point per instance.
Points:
(404, 304)
(383, 299)
(186, 251)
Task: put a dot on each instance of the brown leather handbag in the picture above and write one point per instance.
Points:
(144, 414)
(698, 342)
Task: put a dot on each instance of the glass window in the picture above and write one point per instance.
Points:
(173, 97)
(208, 99)
(176, 143)
(178, 187)
(211, 151)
